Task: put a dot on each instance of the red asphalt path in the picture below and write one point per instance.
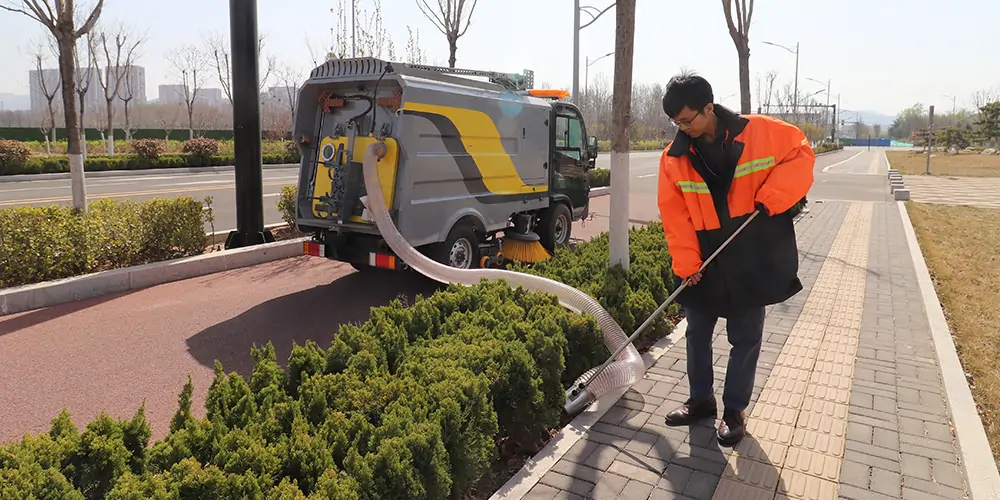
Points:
(115, 352)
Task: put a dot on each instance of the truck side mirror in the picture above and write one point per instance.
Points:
(592, 151)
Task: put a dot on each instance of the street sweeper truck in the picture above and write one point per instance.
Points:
(480, 167)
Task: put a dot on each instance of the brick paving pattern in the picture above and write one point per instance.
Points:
(983, 192)
(848, 401)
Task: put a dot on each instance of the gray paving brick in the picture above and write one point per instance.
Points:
(915, 466)
(614, 430)
(606, 439)
(855, 474)
(541, 492)
(932, 488)
(886, 482)
(579, 471)
(859, 432)
(609, 487)
(885, 438)
(873, 455)
(849, 492)
(566, 495)
(566, 483)
(885, 405)
(660, 494)
(862, 400)
(948, 474)
(602, 458)
(701, 486)
(636, 489)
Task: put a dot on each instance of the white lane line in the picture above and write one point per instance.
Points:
(644, 176)
(828, 167)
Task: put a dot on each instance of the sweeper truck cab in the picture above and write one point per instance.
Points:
(473, 158)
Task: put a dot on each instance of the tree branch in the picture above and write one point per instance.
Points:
(91, 20)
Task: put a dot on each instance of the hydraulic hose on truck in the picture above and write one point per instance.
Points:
(625, 366)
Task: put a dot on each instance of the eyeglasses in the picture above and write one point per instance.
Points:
(686, 123)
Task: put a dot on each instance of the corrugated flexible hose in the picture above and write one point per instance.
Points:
(626, 368)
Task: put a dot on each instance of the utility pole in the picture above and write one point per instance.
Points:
(930, 141)
(354, 28)
(795, 99)
(954, 100)
(621, 117)
(246, 127)
(575, 96)
(586, 71)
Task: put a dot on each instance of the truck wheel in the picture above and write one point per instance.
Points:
(461, 249)
(555, 227)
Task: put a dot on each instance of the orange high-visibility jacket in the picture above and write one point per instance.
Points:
(771, 163)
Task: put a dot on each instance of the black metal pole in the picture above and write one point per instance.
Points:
(246, 127)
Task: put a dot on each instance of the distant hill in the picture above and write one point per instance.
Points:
(876, 118)
(14, 101)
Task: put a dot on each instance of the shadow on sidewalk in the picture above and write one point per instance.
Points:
(28, 319)
(312, 314)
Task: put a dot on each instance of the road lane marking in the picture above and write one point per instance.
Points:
(873, 166)
(644, 176)
(56, 199)
(828, 167)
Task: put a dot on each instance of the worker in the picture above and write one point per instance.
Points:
(720, 167)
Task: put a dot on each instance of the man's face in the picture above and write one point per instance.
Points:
(694, 123)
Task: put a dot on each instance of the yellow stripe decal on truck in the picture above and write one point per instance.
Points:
(481, 139)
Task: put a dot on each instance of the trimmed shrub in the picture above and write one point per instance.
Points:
(201, 147)
(14, 156)
(94, 163)
(286, 204)
(52, 242)
(410, 404)
(629, 296)
(148, 149)
(600, 177)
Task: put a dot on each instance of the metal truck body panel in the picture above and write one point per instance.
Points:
(458, 148)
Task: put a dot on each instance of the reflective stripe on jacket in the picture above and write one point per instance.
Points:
(771, 164)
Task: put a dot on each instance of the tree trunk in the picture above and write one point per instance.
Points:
(621, 119)
(67, 49)
(744, 55)
(452, 48)
(83, 128)
(111, 127)
(128, 129)
(190, 122)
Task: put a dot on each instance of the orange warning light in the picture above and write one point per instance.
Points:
(556, 93)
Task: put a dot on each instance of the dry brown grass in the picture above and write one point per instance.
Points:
(962, 249)
(965, 164)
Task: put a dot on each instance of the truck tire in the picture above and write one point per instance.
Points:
(555, 226)
(460, 249)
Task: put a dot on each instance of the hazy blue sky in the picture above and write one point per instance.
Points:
(876, 52)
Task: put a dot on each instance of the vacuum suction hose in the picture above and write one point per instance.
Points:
(627, 366)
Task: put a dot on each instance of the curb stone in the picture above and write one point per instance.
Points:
(980, 467)
(518, 486)
(50, 293)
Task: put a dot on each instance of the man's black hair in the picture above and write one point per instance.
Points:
(686, 89)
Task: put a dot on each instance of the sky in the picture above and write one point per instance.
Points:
(882, 55)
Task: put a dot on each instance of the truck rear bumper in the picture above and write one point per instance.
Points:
(358, 250)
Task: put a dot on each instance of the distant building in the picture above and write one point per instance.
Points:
(174, 94)
(135, 79)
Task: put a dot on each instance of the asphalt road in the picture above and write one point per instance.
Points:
(831, 184)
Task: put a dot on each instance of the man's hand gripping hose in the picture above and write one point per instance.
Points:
(622, 369)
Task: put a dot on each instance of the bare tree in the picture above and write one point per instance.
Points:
(218, 50)
(448, 19)
(367, 36)
(289, 79)
(117, 48)
(83, 86)
(739, 30)
(41, 50)
(167, 116)
(189, 64)
(414, 54)
(985, 96)
(60, 21)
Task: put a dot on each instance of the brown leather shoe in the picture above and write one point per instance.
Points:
(691, 412)
(732, 428)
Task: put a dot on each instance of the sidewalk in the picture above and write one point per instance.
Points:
(848, 400)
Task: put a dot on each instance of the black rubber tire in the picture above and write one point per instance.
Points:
(548, 229)
(463, 234)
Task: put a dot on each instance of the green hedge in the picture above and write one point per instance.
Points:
(600, 177)
(52, 242)
(59, 164)
(826, 147)
(418, 402)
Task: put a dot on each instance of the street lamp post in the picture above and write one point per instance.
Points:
(576, 39)
(795, 98)
(954, 100)
(586, 71)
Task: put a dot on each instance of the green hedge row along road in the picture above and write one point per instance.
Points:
(52, 242)
(419, 402)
